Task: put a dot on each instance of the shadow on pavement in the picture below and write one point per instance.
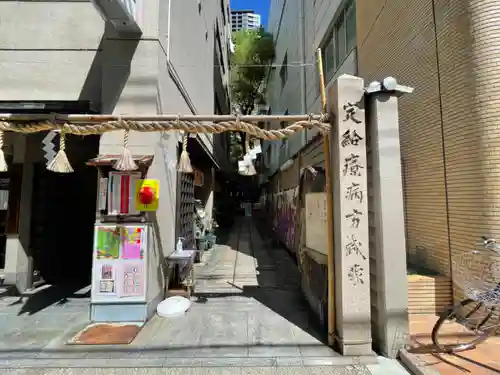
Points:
(49, 295)
(278, 277)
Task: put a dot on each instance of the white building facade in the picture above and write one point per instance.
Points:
(245, 19)
(299, 28)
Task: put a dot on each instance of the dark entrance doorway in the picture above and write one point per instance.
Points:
(4, 198)
(63, 216)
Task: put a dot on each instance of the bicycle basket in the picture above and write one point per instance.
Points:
(477, 274)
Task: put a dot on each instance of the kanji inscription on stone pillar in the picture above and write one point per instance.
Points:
(349, 166)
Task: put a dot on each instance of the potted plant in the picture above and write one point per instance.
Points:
(210, 234)
(199, 229)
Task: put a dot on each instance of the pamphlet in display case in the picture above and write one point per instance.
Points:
(119, 263)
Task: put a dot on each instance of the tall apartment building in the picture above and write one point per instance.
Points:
(244, 19)
(154, 57)
(447, 51)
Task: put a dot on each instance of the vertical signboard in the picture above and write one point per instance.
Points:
(121, 193)
(316, 222)
(351, 215)
(120, 263)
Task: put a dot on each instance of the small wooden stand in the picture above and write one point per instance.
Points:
(175, 285)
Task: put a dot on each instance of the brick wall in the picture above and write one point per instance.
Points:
(449, 135)
(460, 132)
(397, 39)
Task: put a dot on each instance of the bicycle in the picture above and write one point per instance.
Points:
(481, 284)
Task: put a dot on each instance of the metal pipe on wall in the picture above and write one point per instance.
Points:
(329, 208)
(302, 48)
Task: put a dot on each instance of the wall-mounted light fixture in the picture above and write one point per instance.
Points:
(388, 84)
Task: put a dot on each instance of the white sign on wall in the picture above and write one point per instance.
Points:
(316, 222)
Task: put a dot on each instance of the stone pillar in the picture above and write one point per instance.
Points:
(391, 328)
(18, 260)
(349, 170)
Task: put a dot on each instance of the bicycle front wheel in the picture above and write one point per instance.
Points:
(463, 327)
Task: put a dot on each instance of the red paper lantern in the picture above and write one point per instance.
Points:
(146, 195)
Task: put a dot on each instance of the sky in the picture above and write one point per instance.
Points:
(259, 6)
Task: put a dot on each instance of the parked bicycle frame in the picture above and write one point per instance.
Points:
(479, 278)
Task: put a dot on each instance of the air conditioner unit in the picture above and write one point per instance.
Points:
(121, 14)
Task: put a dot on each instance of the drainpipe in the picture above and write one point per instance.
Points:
(169, 20)
(302, 46)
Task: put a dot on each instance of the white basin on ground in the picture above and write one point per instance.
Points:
(173, 307)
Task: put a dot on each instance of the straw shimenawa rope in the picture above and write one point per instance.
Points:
(82, 128)
(99, 126)
(126, 161)
(60, 163)
(184, 165)
(249, 169)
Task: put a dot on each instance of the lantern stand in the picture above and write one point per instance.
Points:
(124, 265)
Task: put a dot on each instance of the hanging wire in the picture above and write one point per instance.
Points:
(289, 65)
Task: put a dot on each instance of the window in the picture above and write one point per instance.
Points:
(219, 51)
(340, 44)
(350, 21)
(284, 71)
(327, 53)
(340, 41)
(222, 10)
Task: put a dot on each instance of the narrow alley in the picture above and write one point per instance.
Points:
(250, 307)
(248, 313)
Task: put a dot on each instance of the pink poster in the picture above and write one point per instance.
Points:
(133, 280)
(132, 243)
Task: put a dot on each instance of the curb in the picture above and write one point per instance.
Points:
(414, 365)
(7, 290)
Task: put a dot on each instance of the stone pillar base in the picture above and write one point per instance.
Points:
(354, 348)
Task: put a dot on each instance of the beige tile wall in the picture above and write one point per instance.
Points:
(453, 135)
(396, 38)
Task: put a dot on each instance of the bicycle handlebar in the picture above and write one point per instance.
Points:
(490, 244)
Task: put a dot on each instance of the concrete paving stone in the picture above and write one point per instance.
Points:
(183, 362)
(107, 354)
(289, 361)
(12, 355)
(270, 330)
(234, 366)
(239, 362)
(86, 363)
(173, 371)
(274, 351)
(338, 370)
(28, 337)
(221, 330)
(315, 350)
(324, 361)
(263, 329)
(216, 370)
(210, 353)
(387, 366)
(181, 331)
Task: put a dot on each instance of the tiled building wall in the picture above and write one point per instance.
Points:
(446, 50)
(397, 39)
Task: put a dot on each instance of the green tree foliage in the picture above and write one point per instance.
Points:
(250, 64)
